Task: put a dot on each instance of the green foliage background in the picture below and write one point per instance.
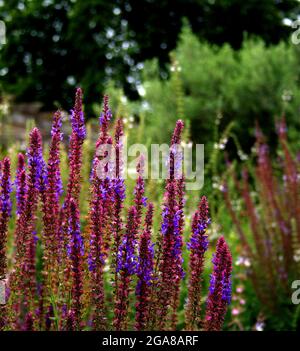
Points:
(210, 84)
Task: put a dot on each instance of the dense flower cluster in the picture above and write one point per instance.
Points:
(21, 184)
(220, 287)
(24, 285)
(102, 270)
(51, 207)
(171, 229)
(126, 267)
(198, 245)
(5, 212)
(145, 272)
(76, 252)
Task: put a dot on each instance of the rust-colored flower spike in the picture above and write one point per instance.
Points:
(74, 182)
(198, 246)
(268, 190)
(119, 132)
(180, 187)
(105, 117)
(101, 209)
(70, 321)
(291, 177)
(174, 150)
(145, 273)
(75, 153)
(51, 208)
(77, 116)
(29, 322)
(96, 261)
(119, 197)
(170, 265)
(139, 199)
(176, 137)
(23, 286)
(220, 288)
(101, 178)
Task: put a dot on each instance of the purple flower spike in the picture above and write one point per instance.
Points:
(21, 184)
(220, 288)
(198, 245)
(76, 253)
(5, 212)
(51, 207)
(172, 229)
(139, 190)
(126, 267)
(77, 116)
(36, 160)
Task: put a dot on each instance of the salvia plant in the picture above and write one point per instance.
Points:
(104, 271)
(269, 208)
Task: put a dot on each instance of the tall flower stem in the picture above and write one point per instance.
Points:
(5, 212)
(21, 184)
(119, 197)
(96, 256)
(24, 282)
(126, 268)
(220, 288)
(170, 265)
(101, 207)
(73, 188)
(197, 246)
(145, 273)
(51, 207)
(76, 253)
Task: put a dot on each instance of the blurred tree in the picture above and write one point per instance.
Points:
(220, 86)
(157, 23)
(53, 45)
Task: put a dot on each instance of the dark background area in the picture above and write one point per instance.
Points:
(53, 46)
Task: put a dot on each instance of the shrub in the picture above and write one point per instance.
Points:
(209, 84)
